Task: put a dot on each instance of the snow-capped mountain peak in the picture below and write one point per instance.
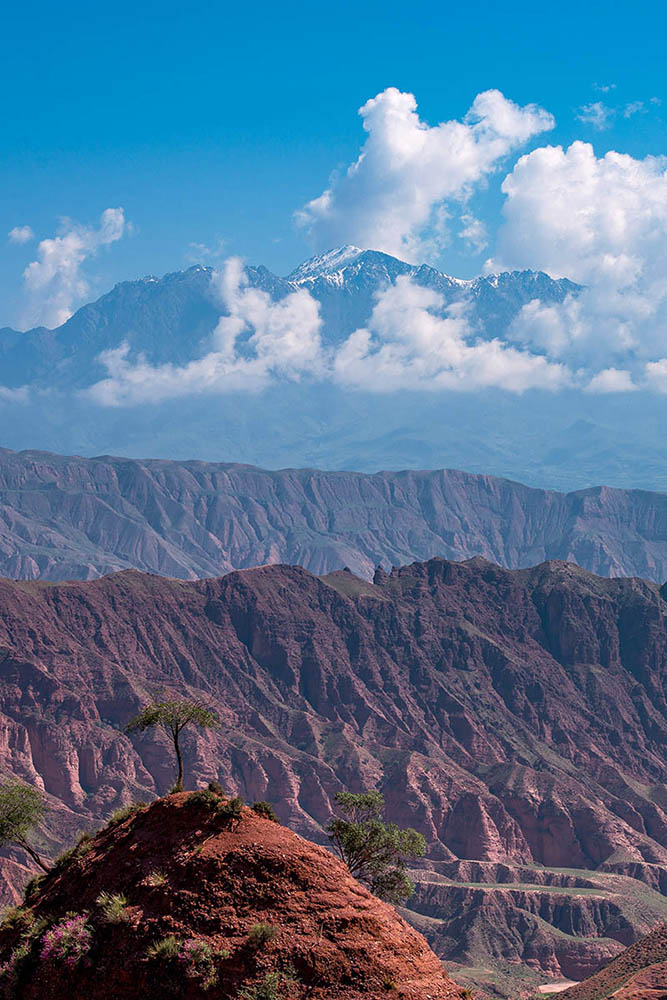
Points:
(324, 263)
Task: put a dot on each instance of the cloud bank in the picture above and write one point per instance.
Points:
(55, 282)
(601, 221)
(410, 342)
(394, 196)
(256, 340)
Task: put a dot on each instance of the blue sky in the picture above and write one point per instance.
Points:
(218, 122)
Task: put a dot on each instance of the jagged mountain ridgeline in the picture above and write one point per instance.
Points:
(517, 719)
(168, 319)
(75, 518)
(153, 329)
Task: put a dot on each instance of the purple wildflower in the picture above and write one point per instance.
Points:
(68, 941)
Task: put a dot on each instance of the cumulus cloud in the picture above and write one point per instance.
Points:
(602, 222)
(612, 380)
(55, 281)
(257, 339)
(393, 196)
(410, 344)
(21, 234)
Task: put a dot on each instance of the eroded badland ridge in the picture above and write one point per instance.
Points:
(516, 718)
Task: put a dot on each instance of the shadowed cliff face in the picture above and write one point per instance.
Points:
(74, 518)
(514, 717)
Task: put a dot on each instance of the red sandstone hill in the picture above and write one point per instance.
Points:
(517, 719)
(638, 973)
(185, 872)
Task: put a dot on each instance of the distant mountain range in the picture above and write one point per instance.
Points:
(565, 440)
(80, 518)
(169, 319)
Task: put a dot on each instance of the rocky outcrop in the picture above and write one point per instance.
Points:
(74, 518)
(187, 872)
(638, 973)
(516, 718)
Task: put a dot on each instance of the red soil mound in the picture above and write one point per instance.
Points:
(185, 871)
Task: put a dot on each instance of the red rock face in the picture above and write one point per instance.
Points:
(514, 718)
(75, 518)
(638, 973)
(215, 884)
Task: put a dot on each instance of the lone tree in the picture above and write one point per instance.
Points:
(374, 851)
(22, 808)
(173, 715)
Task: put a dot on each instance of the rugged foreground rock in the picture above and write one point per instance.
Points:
(187, 872)
(75, 518)
(638, 973)
(516, 718)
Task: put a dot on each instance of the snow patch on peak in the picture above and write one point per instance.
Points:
(325, 264)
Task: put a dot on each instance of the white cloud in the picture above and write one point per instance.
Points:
(19, 395)
(656, 375)
(55, 281)
(21, 234)
(612, 380)
(473, 233)
(603, 223)
(257, 340)
(391, 196)
(201, 253)
(597, 114)
(604, 88)
(410, 344)
(634, 108)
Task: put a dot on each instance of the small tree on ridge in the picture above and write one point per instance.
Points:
(173, 715)
(21, 809)
(375, 852)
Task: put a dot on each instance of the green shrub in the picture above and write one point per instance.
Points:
(204, 799)
(198, 957)
(156, 879)
(266, 810)
(215, 786)
(124, 812)
(11, 969)
(164, 950)
(113, 907)
(79, 850)
(231, 811)
(260, 934)
(33, 887)
(274, 986)
(16, 916)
